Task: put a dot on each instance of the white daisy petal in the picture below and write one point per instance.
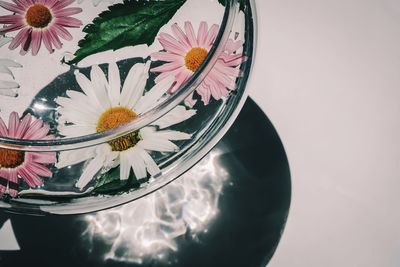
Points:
(114, 81)
(76, 130)
(100, 86)
(83, 100)
(72, 157)
(8, 92)
(90, 171)
(154, 144)
(151, 165)
(130, 89)
(4, 40)
(171, 135)
(175, 116)
(137, 163)
(87, 87)
(125, 164)
(77, 117)
(6, 70)
(9, 63)
(71, 105)
(8, 85)
(149, 100)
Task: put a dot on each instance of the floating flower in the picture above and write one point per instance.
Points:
(7, 87)
(39, 21)
(185, 52)
(102, 106)
(29, 166)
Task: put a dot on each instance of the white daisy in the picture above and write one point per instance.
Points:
(103, 105)
(8, 87)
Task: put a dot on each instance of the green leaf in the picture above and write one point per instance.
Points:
(242, 3)
(110, 182)
(130, 23)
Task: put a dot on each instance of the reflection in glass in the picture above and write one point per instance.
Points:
(148, 228)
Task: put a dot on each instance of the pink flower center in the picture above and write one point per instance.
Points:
(11, 158)
(113, 118)
(195, 57)
(38, 16)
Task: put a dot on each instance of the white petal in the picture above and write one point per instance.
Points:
(87, 87)
(82, 100)
(149, 100)
(154, 144)
(100, 86)
(137, 163)
(8, 85)
(76, 117)
(76, 130)
(69, 105)
(114, 81)
(8, 92)
(175, 116)
(125, 165)
(151, 165)
(4, 40)
(171, 135)
(72, 157)
(90, 171)
(130, 90)
(9, 63)
(6, 70)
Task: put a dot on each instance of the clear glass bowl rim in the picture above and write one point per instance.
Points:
(146, 118)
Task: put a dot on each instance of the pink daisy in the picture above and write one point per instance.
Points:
(29, 166)
(37, 21)
(185, 52)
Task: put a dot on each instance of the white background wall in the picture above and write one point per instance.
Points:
(328, 76)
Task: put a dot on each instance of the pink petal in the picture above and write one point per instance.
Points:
(35, 126)
(232, 46)
(29, 177)
(181, 78)
(10, 19)
(68, 22)
(20, 38)
(36, 41)
(14, 27)
(67, 12)
(180, 35)
(24, 125)
(61, 31)
(54, 38)
(13, 123)
(47, 41)
(167, 67)
(190, 34)
(61, 4)
(22, 4)
(39, 134)
(43, 157)
(202, 34)
(166, 56)
(2, 189)
(212, 34)
(13, 177)
(172, 47)
(11, 7)
(40, 169)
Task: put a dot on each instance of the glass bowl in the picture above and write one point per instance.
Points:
(103, 102)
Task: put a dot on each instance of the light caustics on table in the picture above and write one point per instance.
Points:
(149, 227)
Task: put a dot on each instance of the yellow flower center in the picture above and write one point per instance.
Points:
(38, 16)
(195, 57)
(113, 118)
(11, 158)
